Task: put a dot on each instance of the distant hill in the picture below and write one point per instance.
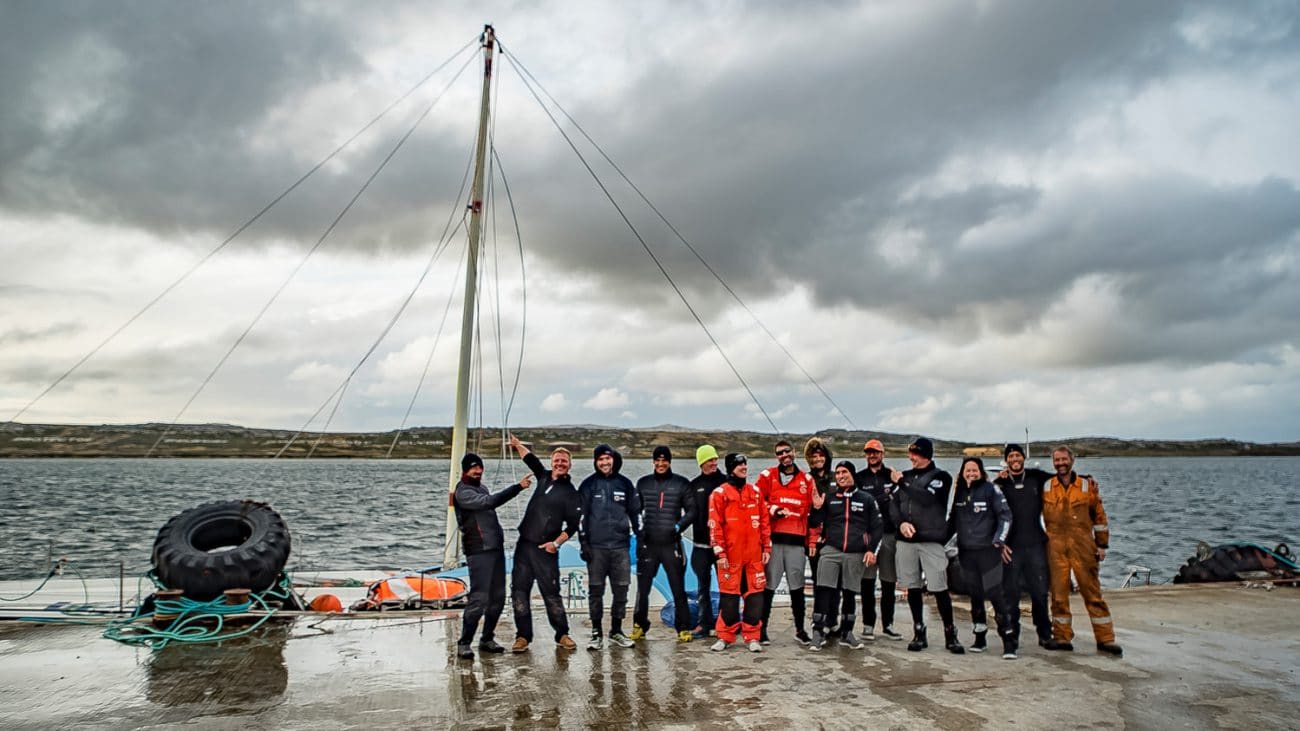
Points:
(226, 440)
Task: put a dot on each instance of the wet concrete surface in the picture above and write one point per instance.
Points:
(1195, 657)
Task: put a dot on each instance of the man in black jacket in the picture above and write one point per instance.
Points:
(920, 511)
(876, 479)
(611, 514)
(484, 545)
(550, 519)
(1027, 569)
(851, 531)
(702, 556)
(667, 510)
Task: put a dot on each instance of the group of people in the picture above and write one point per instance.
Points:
(1021, 531)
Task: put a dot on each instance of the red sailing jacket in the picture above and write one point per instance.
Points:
(738, 524)
(795, 498)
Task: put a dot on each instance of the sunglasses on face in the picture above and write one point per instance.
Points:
(783, 452)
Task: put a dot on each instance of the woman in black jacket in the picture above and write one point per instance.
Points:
(981, 520)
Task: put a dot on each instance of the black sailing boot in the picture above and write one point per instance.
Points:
(1009, 646)
(981, 641)
(918, 642)
(768, 594)
(951, 642)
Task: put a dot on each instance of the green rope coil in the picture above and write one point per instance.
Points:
(195, 621)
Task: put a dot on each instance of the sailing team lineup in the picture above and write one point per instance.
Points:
(1020, 531)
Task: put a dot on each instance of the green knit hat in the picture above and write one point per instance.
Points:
(705, 453)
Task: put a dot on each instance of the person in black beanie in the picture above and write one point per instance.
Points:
(668, 509)
(1026, 569)
(741, 536)
(920, 512)
(484, 546)
(851, 532)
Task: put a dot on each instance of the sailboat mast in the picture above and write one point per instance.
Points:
(459, 432)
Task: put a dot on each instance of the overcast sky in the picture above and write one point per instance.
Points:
(962, 218)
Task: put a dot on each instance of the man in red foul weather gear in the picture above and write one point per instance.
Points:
(741, 539)
(791, 496)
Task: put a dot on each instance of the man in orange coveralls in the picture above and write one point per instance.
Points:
(1077, 538)
(742, 540)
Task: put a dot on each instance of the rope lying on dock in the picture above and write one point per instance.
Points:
(55, 570)
(195, 621)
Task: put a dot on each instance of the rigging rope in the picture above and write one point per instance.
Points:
(523, 279)
(242, 227)
(319, 242)
(342, 387)
(451, 294)
(444, 241)
(460, 193)
(685, 242)
(649, 252)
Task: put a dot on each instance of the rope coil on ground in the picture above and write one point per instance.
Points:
(195, 621)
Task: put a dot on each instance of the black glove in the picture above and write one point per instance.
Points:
(640, 552)
(584, 554)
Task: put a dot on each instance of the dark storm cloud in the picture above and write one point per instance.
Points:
(788, 149)
(822, 151)
(160, 115)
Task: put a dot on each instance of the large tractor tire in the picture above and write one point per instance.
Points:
(236, 544)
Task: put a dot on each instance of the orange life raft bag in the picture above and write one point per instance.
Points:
(413, 590)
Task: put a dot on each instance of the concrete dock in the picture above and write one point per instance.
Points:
(1208, 656)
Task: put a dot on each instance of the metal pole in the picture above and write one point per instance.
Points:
(459, 431)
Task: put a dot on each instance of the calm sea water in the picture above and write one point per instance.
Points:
(347, 514)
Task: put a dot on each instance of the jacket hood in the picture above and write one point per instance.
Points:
(815, 444)
(603, 449)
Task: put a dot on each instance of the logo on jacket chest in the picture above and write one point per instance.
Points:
(857, 507)
(979, 506)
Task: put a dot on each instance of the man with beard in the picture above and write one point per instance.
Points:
(702, 557)
(550, 519)
(920, 510)
(790, 496)
(669, 509)
(484, 545)
(611, 514)
(876, 479)
(741, 538)
(1078, 535)
(1027, 570)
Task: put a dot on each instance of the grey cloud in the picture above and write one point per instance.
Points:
(19, 335)
(793, 142)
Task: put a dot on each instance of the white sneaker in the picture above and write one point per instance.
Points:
(597, 642)
(756, 646)
(719, 646)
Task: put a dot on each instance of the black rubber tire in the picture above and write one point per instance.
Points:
(253, 541)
